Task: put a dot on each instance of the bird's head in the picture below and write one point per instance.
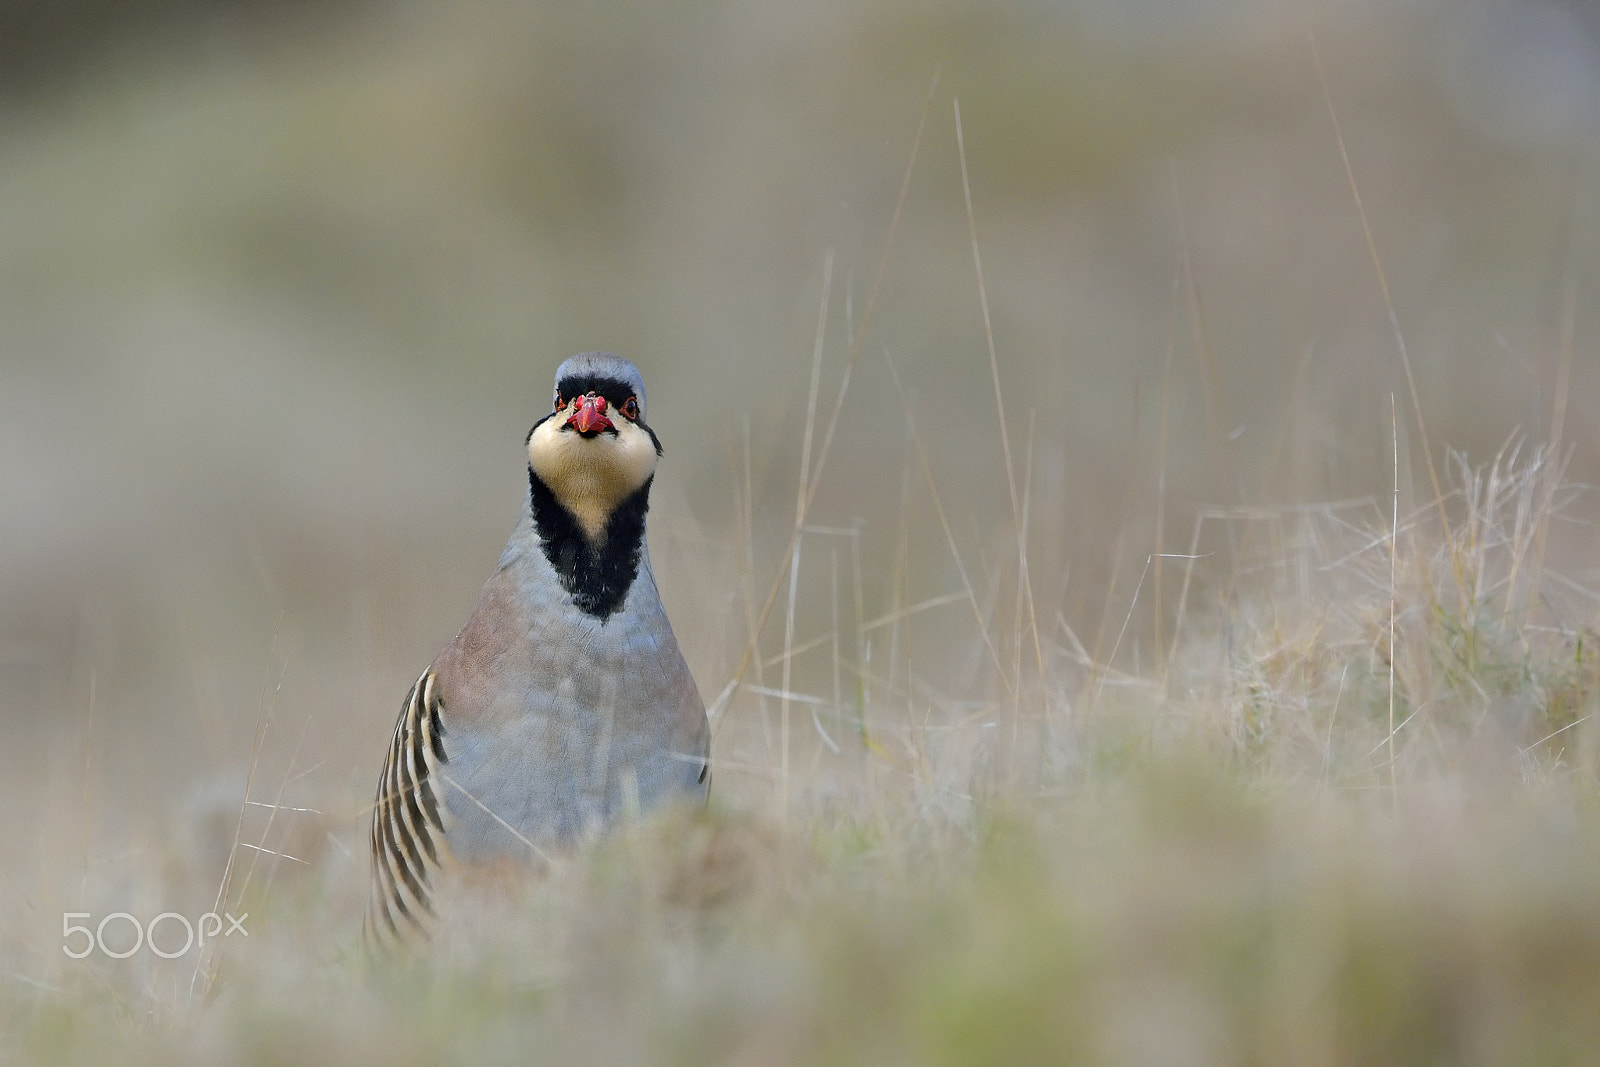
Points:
(594, 450)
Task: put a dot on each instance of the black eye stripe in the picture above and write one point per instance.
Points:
(615, 391)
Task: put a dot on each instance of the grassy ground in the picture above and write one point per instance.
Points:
(1084, 690)
(1350, 818)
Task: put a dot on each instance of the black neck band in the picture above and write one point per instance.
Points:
(596, 576)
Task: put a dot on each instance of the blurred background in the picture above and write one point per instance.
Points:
(282, 287)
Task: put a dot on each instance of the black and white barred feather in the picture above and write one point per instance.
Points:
(408, 822)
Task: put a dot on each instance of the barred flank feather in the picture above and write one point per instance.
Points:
(408, 821)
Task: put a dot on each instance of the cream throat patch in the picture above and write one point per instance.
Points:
(591, 475)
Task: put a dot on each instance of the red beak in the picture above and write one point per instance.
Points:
(590, 416)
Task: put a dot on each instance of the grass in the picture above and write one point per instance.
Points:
(1227, 855)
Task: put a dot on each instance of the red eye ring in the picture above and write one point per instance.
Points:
(630, 408)
(561, 402)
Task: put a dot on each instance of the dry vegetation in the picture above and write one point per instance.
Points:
(1350, 818)
(1238, 782)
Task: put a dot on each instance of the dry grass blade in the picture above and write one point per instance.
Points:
(1210, 385)
(944, 524)
(481, 806)
(276, 806)
(1558, 419)
(1394, 326)
(844, 385)
(999, 398)
(263, 714)
(914, 609)
(88, 739)
(801, 484)
(744, 493)
(1394, 566)
(1133, 602)
(1157, 615)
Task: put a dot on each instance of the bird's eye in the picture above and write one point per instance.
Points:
(630, 408)
(561, 402)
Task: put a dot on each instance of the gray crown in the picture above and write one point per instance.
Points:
(588, 365)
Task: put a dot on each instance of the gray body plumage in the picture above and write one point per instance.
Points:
(558, 721)
(564, 703)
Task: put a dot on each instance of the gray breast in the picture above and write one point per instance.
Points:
(579, 722)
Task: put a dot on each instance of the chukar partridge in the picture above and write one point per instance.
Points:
(564, 702)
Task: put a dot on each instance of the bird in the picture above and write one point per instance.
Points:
(564, 703)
